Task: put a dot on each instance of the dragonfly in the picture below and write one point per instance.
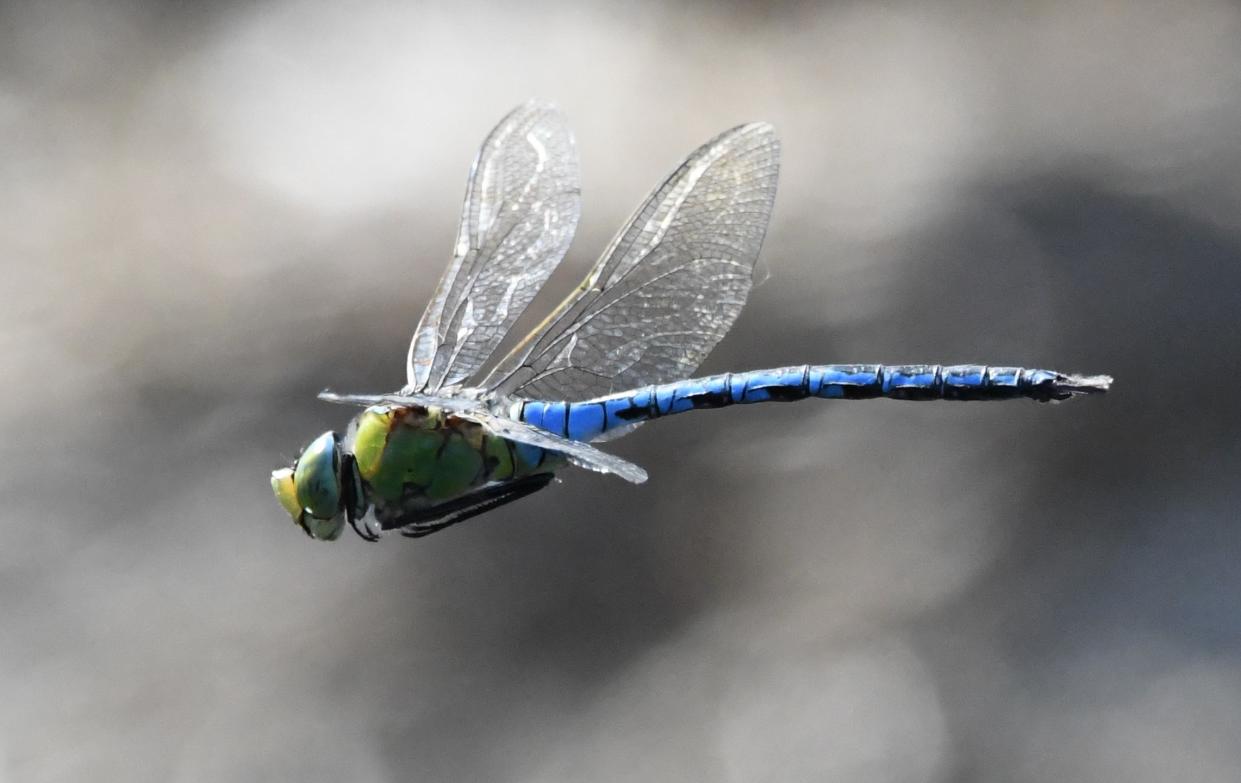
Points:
(469, 433)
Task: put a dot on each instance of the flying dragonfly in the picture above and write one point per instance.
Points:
(466, 434)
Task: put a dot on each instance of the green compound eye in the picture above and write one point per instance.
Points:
(317, 478)
(311, 491)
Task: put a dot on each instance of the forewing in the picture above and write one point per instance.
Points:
(522, 204)
(669, 286)
(451, 404)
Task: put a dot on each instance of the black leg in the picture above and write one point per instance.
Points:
(361, 527)
(482, 501)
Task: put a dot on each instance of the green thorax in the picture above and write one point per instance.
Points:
(414, 457)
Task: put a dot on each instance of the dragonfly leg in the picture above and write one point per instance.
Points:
(463, 508)
(367, 529)
(355, 513)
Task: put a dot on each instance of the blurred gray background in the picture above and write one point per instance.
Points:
(212, 211)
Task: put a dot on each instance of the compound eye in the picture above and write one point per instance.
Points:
(316, 479)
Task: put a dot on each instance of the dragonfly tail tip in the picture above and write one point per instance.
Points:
(1085, 384)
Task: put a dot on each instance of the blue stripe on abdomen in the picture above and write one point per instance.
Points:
(585, 421)
(783, 384)
(913, 382)
(963, 381)
(847, 381)
(532, 413)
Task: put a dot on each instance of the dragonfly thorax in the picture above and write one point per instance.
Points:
(411, 459)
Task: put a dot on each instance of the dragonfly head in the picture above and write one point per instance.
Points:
(317, 488)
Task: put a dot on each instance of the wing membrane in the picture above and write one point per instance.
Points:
(669, 286)
(522, 204)
(580, 454)
(451, 404)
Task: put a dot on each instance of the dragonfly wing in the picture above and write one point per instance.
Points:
(522, 204)
(450, 404)
(580, 454)
(669, 286)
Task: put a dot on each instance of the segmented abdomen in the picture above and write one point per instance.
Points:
(589, 419)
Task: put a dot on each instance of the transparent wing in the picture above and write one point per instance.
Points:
(451, 404)
(522, 204)
(669, 286)
(579, 454)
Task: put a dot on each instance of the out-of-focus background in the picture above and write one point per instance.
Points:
(212, 211)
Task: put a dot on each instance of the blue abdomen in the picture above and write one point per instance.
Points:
(588, 419)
